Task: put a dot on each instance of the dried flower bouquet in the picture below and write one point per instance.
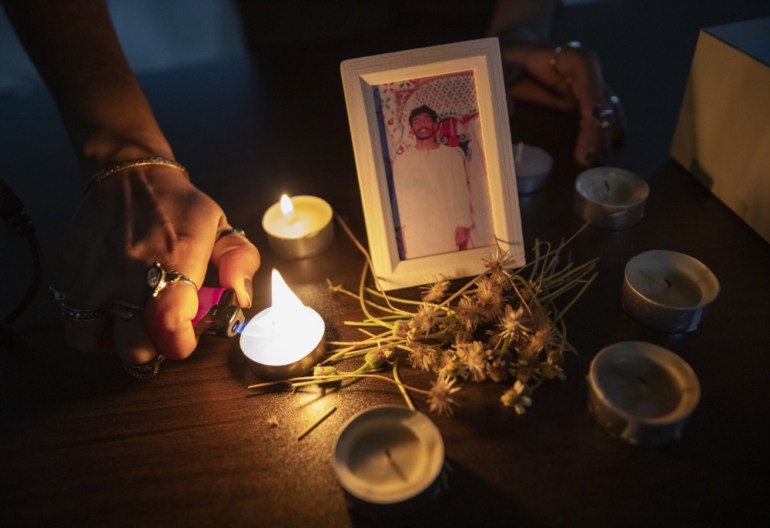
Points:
(502, 325)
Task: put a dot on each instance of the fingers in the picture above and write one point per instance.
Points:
(168, 320)
(570, 76)
(119, 230)
(237, 260)
(132, 343)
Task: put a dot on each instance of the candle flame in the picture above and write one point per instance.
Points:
(287, 208)
(286, 304)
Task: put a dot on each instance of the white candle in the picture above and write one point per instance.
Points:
(299, 227)
(387, 456)
(641, 393)
(668, 291)
(285, 339)
(610, 197)
(533, 167)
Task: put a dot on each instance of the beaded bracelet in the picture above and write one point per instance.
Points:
(557, 51)
(128, 164)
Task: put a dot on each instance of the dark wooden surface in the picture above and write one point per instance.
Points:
(84, 445)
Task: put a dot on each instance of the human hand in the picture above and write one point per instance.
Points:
(124, 224)
(570, 77)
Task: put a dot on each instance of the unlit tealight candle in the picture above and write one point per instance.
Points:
(609, 197)
(533, 167)
(641, 393)
(389, 458)
(668, 291)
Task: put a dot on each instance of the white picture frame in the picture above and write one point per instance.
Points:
(379, 91)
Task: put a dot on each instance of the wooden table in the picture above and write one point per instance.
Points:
(82, 444)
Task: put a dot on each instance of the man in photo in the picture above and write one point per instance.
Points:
(431, 187)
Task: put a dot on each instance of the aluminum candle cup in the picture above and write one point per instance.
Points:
(286, 339)
(641, 393)
(388, 459)
(668, 291)
(299, 227)
(276, 352)
(609, 197)
(533, 168)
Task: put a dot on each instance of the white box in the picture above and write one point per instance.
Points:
(723, 133)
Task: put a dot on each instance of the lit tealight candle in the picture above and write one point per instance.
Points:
(641, 393)
(533, 167)
(610, 197)
(388, 459)
(286, 339)
(668, 291)
(299, 227)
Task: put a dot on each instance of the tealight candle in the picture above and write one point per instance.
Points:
(388, 459)
(286, 339)
(299, 227)
(533, 167)
(641, 393)
(668, 291)
(610, 197)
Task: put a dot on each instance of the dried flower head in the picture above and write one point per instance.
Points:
(498, 369)
(435, 292)
(515, 397)
(424, 320)
(489, 295)
(544, 334)
(440, 397)
(511, 322)
(468, 311)
(475, 360)
(375, 358)
(550, 370)
(451, 364)
(498, 263)
(422, 357)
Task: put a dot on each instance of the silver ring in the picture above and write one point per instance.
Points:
(57, 296)
(81, 314)
(145, 371)
(158, 278)
(124, 310)
(231, 231)
(603, 115)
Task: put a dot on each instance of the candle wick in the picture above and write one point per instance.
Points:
(656, 279)
(394, 465)
(607, 185)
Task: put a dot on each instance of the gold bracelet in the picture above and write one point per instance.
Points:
(557, 51)
(128, 164)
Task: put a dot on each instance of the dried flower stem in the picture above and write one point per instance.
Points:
(402, 387)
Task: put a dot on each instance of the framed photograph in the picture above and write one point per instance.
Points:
(434, 159)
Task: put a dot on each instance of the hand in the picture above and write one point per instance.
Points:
(570, 77)
(123, 225)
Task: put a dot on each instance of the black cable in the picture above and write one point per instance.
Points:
(12, 211)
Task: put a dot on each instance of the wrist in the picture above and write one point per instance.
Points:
(99, 149)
